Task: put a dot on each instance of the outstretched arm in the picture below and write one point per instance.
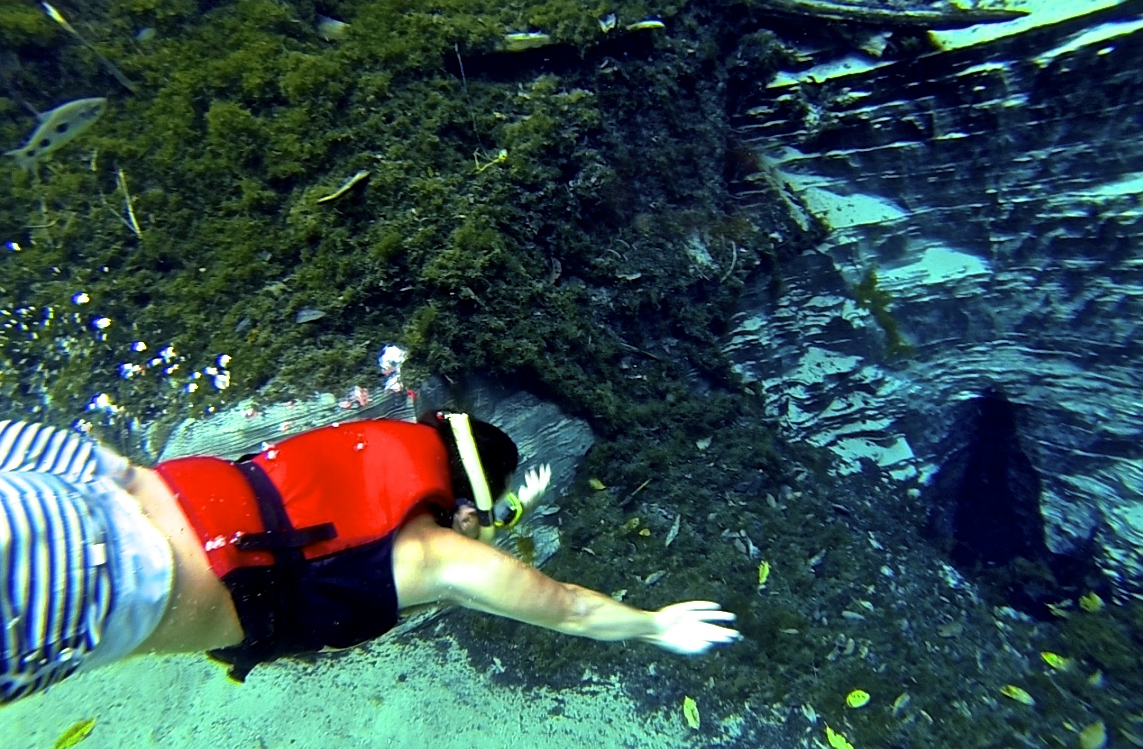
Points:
(460, 570)
(486, 579)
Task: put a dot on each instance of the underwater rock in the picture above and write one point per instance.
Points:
(982, 194)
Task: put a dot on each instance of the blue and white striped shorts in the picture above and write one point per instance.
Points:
(84, 576)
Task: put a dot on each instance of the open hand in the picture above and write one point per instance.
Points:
(687, 628)
(535, 484)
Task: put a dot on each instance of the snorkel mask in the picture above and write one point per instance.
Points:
(508, 511)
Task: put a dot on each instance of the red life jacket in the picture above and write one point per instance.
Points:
(355, 483)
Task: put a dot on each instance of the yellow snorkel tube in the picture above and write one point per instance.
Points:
(470, 458)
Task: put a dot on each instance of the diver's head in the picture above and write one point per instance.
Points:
(498, 456)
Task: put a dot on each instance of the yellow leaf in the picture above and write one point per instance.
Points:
(763, 574)
(596, 484)
(836, 740)
(690, 712)
(75, 734)
(1091, 602)
(1094, 736)
(649, 25)
(1016, 693)
(857, 698)
(1056, 661)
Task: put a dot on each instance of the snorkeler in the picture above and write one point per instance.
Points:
(318, 541)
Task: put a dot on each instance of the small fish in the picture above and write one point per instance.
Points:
(691, 712)
(331, 29)
(1016, 693)
(75, 734)
(308, 314)
(857, 698)
(1091, 602)
(1056, 661)
(57, 128)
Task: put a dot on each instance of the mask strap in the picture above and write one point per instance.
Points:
(470, 459)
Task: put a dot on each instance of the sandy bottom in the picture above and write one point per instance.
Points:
(418, 692)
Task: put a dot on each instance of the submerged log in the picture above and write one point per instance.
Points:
(951, 17)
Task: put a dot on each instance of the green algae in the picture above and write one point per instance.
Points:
(878, 301)
(23, 27)
(244, 116)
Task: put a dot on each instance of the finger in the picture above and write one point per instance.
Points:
(722, 634)
(719, 639)
(708, 627)
(695, 606)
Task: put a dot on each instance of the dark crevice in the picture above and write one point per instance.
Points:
(985, 512)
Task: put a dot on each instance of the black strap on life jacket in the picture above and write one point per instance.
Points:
(268, 599)
(280, 538)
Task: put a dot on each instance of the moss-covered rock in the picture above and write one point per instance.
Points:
(552, 262)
